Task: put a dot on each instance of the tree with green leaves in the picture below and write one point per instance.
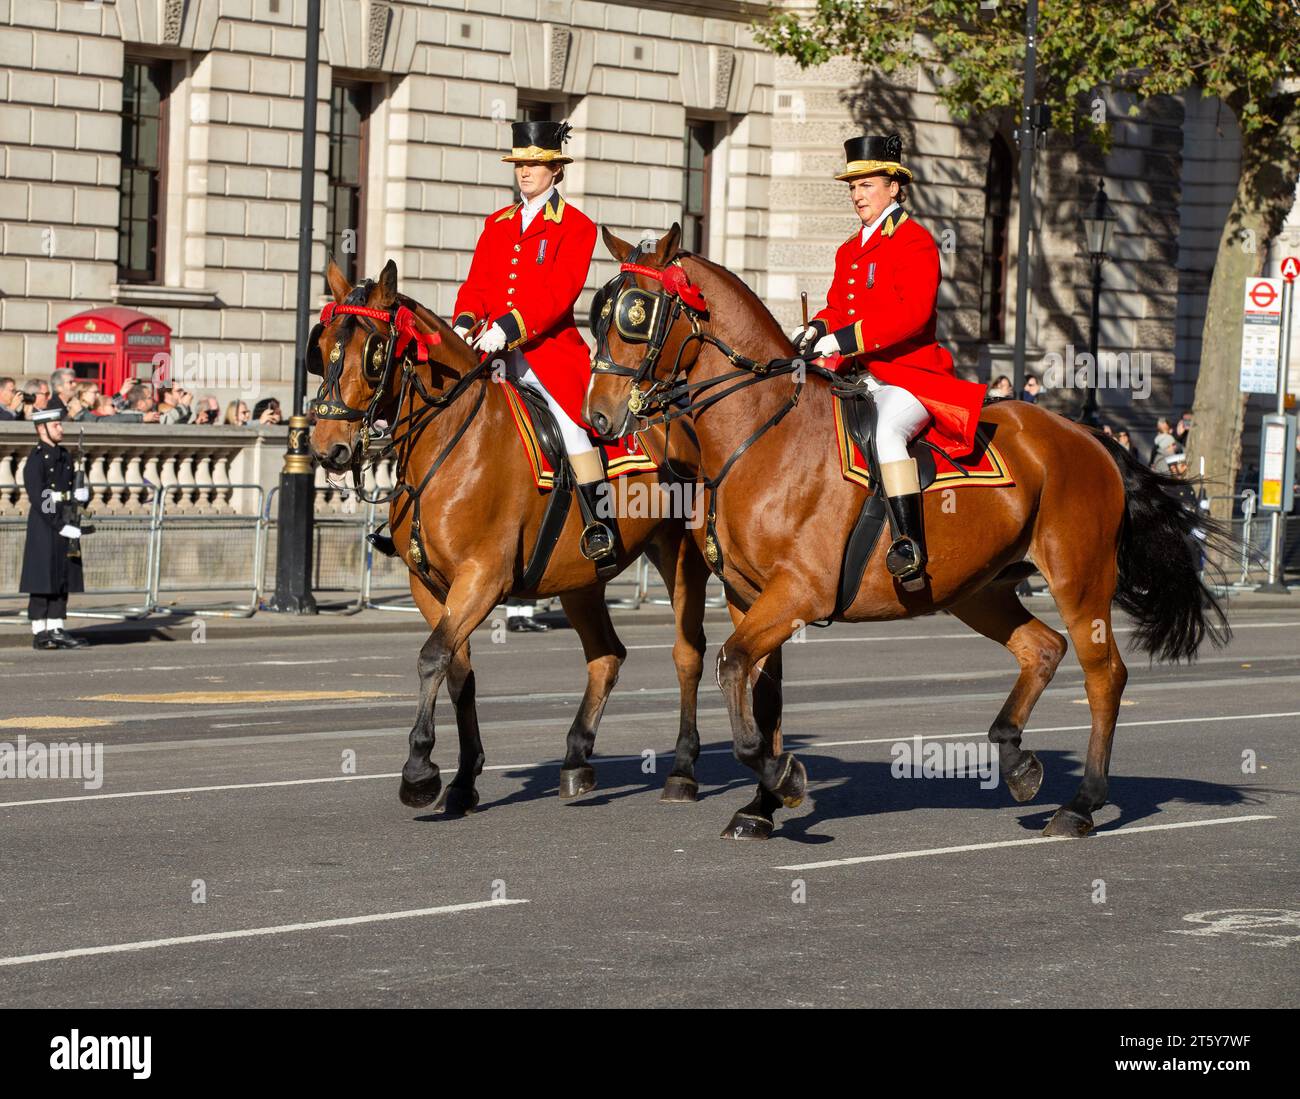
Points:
(1247, 55)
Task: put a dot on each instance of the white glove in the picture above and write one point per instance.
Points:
(82, 495)
(461, 330)
(69, 531)
(827, 345)
(797, 335)
(494, 339)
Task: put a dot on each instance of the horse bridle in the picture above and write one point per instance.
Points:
(377, 358)
(646, 317)
(672, 397)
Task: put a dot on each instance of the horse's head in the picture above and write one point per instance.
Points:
(366, 338)
(643, 321)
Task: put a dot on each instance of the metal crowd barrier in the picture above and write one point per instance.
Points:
(157, 556)
(145, 555)
(1250, 567)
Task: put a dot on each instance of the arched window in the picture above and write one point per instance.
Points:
(997, 211)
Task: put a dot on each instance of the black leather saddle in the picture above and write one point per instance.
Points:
(548, 432)
(860, 418)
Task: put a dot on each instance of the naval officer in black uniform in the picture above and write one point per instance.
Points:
(49, 573)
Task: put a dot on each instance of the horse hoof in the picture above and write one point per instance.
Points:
(745, 826)
(456, 801)
(577, 781)
(1026, 778)
(680, 789)
(420, 794)
(1068, 824)
(792, 784)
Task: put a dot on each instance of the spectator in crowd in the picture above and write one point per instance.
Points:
(11, 401)
(1183, 429)
(174, 405)
(207, 411)
(63, 387)
(237, 413)
(1001, 388)
(1122, 437)
(140, 407)
(104, 407)
(1032, 389)
(1176, 464)
(39, 391)
(120, 397)
(1164, 442)
(266, 411)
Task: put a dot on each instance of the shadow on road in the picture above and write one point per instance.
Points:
(840, 788)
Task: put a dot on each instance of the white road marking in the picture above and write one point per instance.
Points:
(923, 852)
(254, 932)
(242, 724)
(802, 746)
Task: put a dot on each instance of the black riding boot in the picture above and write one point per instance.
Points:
(382, 543)
(906, 557)
(597, 543)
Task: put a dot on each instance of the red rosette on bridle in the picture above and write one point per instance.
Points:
(674, 281)
(403, 324)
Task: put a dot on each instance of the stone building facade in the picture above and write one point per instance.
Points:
(677, 114)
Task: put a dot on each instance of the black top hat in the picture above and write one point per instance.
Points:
(538, 142)
(869, 156)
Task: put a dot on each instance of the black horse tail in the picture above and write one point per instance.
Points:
(1160, 549)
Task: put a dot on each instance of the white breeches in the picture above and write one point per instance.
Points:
(899, 416)
(576, 439)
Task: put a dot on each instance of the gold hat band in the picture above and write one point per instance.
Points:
(536, 152)
(856, 168)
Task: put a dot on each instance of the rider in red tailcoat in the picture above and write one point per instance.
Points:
(528, 269)
(880, 315)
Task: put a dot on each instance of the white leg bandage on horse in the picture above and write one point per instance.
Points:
(576, 440)
(899, 417)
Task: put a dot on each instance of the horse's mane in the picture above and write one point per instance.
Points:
(741, 287)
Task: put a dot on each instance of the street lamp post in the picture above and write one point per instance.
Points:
(1098, 228)
(295, 518)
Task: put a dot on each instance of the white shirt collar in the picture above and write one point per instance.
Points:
(532, 207)
(867, 230)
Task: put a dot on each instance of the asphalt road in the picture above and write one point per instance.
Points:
(226, 808)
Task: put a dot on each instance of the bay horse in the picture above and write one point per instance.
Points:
(1100, 527)
(466, 517)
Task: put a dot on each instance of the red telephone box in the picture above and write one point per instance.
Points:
(111, 344)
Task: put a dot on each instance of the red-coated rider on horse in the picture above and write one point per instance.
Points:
(880, 315)
(528, 269)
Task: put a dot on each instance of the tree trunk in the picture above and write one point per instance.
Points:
(1265, 195)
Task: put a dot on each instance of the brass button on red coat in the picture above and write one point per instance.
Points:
(516, 248)
(515, 260)
(512, 274)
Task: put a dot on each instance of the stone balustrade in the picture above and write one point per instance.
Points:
(198, 467)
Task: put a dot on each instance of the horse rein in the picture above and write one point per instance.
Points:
(673, 397)
(377, 368)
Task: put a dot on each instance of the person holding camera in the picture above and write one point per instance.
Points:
(52, 553)
(11, 401)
